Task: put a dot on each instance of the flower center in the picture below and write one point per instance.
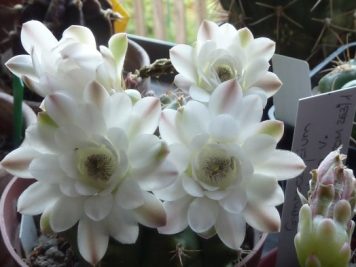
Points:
(96, 165)
(215, 167)
(99, 166)
(224, 72)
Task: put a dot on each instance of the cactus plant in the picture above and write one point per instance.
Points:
(302, 28)
(340, 77)
(325, 220)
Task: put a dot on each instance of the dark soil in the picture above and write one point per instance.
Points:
(52, 251)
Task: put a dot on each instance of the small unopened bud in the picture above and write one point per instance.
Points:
(342, 212)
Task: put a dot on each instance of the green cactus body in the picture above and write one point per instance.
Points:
(325, 221)
(300, 28)
(321, 242)
(339, 77)
(122, 254)
(176, 250)
(215, 253)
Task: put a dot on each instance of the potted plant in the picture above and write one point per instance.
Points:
(109, 162)
(325, 227)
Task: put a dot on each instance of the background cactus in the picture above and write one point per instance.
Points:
(57, 15)
(325, 220)
(303, 29)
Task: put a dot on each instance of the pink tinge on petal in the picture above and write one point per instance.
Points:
(18, 161)
(265, 219)
(148, 112)
(176, 215)
(96, 93)
(282, 164)
(152, 213)
(226, 98)
(263, 47)
(21, 65)
(92, 241)
(60, 107)
(207, 31)
(269, 83)
(167, 127)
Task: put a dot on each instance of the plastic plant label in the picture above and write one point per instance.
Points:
(294, 74)
(28, 233)
(324, 123)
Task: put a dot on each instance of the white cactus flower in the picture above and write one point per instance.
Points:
(229, 166)
(69, 64)
(96, 163)
(222, 53)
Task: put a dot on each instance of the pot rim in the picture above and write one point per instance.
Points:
(28, 114)
(3, 225)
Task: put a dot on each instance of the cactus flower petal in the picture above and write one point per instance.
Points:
(226, 98)
(231, 229)
(282, 165)
(265, 219)
(92, 241)
(123, 227)
(34, 33)
(18, 161)
(176, 215)
(181, 56)
(202, 214)
(151, 213)
(36, 198)
(65, 213)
